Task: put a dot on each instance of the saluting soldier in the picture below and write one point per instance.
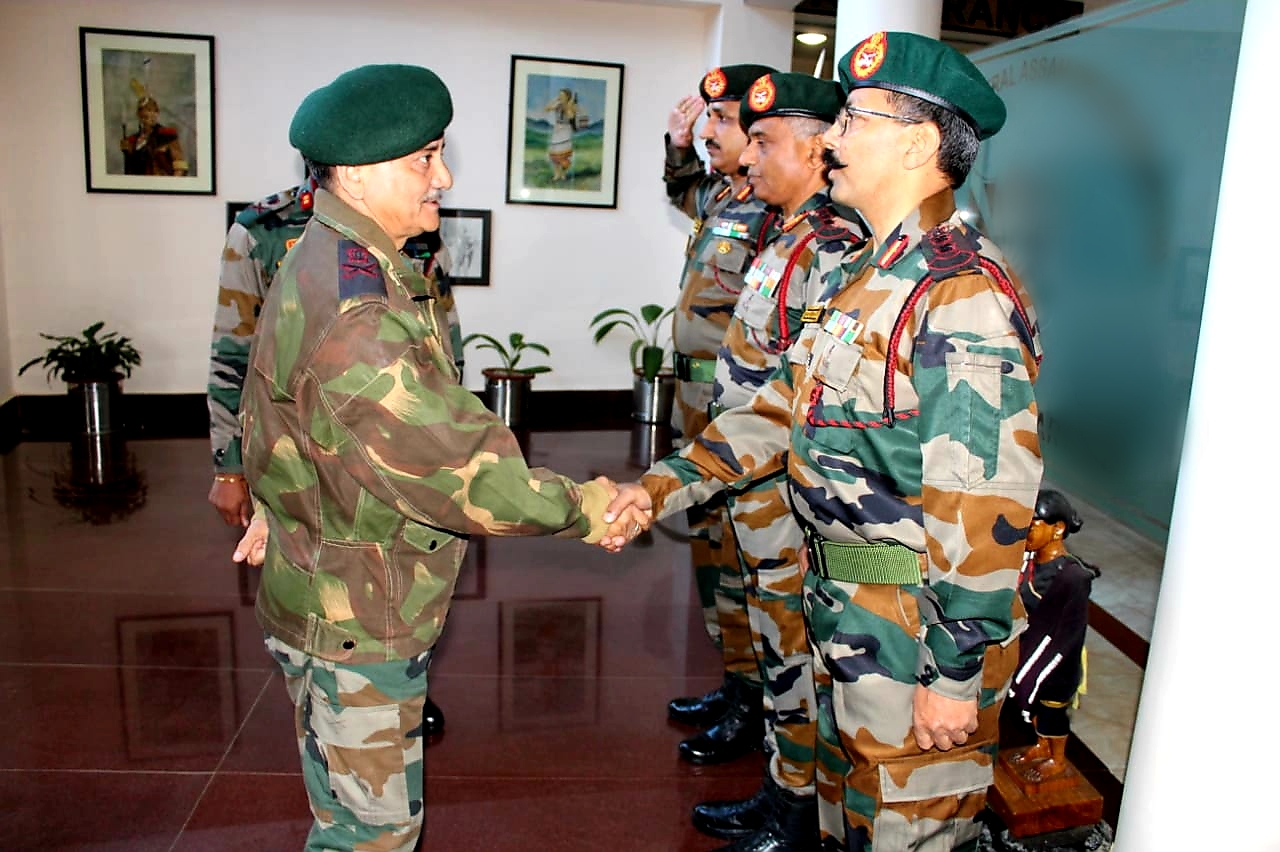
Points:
(784, 116)
(372, 462)
(729, 227)
(906, 420)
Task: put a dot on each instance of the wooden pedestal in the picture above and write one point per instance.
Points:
(1028, 809)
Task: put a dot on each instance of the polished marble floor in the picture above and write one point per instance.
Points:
(144, 713)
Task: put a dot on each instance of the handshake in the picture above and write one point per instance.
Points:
(629, 513)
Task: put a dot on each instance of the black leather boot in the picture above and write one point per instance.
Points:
(733, 819)
(700, 710)
(739, 731)
(792, 825)
(432, 718)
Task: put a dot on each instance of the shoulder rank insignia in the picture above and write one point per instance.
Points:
(831, 229)
(948, 251)
(359, 273)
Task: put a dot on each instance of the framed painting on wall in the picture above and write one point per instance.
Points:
(147, 100)
(466, 233)
(562, 138)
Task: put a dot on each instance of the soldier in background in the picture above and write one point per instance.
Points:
(729, 227)
(255, 247)
(372, 462)
(906, 421)
(784, 116)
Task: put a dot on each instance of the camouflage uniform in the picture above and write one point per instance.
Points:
(256, 245)
(375, 465)
(906, 420)
(728, 230)
(812, 240)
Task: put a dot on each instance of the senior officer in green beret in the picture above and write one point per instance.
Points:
(372, 462)
(784, 116)
(906, 420)
(729, 227)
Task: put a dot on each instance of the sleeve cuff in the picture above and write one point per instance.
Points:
(595, 499)
(930, 676)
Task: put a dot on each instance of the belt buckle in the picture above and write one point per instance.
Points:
(817, 560)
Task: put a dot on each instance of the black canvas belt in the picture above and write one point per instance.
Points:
(702, 370)
(885, 564)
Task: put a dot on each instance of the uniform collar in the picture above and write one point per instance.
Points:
(933, 211)
(346, 220)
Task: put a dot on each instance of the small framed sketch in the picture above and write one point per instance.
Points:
(466, 234)
(147, 100)
(562, 139)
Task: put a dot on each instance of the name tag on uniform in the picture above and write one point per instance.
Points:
(842, 326)
(813, 313)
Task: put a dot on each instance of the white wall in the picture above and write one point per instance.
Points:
(147, 264)
(8, 367)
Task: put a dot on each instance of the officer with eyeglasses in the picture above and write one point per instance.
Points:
(905, 416)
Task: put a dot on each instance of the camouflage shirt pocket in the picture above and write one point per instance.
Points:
(972, 412)
(834, 362)
(754, 309)
(727, 255)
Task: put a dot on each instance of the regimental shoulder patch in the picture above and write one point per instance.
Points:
(359, 273)
(948, 252)
(869, 56)
(715, 83)
(762, 94)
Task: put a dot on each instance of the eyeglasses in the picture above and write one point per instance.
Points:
(848, 112)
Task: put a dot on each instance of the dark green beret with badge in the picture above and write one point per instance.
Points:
(371, 114)
(791, 94)
(730, 82)
(928, 69)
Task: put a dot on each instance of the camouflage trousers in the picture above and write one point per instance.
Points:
(359, 731)
(877, 791)
(712, 550)
(769, 543)
(721, 591)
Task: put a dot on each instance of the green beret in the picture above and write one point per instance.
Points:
(730, 82)
(371, 114)
(928, 69)
(791, 94)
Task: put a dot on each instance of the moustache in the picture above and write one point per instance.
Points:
(830, 160)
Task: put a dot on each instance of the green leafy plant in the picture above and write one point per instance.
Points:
(648, 353)
(87, 357)
(511, 352)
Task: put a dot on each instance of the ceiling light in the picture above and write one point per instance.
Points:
(811, 39)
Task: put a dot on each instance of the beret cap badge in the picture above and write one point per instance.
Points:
(869, 56)
(762, 95)
(715, 82)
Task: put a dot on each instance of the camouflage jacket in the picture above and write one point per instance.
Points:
(904, 413)
(256, 245)
(373, 462)
(729, 229)
(808, 244)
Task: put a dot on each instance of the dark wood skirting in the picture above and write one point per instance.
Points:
(186, 415)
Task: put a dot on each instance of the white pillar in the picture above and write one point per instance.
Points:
(1206, 747)
(751, 34)
(857, 19)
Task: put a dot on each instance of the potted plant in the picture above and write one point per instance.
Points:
(507, 388)
(92, 365)
(654, 384)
